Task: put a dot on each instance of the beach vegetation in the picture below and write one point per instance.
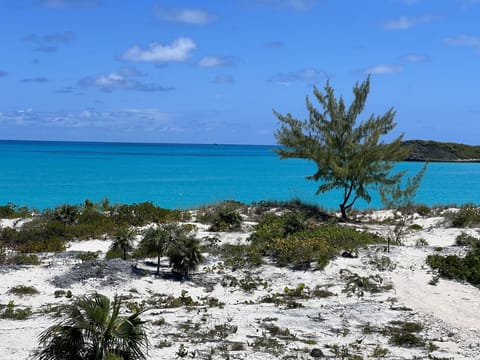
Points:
(289, 241)
(467, 216)
(22, 290)
(93, 329)
(12, 312)
(237, 256)
(13, 211)
(123, 242)
(465, 268)
(465, 239)
(159, 239)
(22, 259)
(359, 285)
(348, 156)
(224, 216)
(185, 255)
(88, 256)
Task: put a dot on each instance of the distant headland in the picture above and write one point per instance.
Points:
(426, 150)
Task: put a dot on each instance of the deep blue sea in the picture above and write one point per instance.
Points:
(46, 174)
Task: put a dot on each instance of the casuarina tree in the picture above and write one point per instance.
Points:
(349, 155)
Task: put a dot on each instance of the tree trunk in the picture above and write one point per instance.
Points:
(344, 212)
(158, 265)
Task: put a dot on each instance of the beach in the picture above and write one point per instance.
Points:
(224, 311)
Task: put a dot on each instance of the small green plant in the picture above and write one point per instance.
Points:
(379, 352)
(383, 263)
(358, 285)
(24, 259)
(22, 290)
(467, 215)
(404, 333)
(11, 312)
(415, 227)
(88, 256)
(464, 239)
(421, 242)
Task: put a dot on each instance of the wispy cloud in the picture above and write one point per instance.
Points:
(38, 79)
(465, 41)
(54, 38)
(3, 73)
(216, 61)
(68, 3)
(309, 75)
(405, 22)
(49, 43)
(415, 58)
(70, 90)
(179, 51)
(297, 5)
(383, 69)
(275, 44)
(224, 80)
(187, 16)
(122, 79)
(151, 119)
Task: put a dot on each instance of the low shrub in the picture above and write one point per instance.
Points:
(22, 290)
(467, 215)
(13, 313)
(458, 268)
(465, 239)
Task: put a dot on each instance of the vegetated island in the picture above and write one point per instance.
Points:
(427, 150)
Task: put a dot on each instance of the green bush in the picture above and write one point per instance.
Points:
(22, 290)
(224, 216)
(12, 211)
(468, 215)
(454, 267)
(466, 240)
(11, 312)
(23, 259)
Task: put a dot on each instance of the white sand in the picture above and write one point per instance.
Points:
(450, 311)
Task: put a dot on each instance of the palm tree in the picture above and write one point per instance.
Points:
(123, 241)
(158, 240)
(94, 330)
(185, 255)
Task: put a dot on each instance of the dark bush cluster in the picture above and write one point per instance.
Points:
(455, 267)
(468, 215)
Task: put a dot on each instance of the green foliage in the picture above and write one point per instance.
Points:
(240, 256)
(348, 156)
(12, 211)
(454, 267)
(23, 259)
(185, 255)
(94, 330)
(38, 235)
(299, 245)
(13, 313)
(465, 239)
(224, 216)
(404, 333)
(467, 215)
(143, 214)
(122, 242)
(358, 285)
(22, 290)
(88, 256)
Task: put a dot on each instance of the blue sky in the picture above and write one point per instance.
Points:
(211, 71)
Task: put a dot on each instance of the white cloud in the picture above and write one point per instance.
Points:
(297, 5)
(187, 16)
(68, 3)
(120, 80)
(405, 22)
(383, 69)
(216, 61)
(465, 41)
(415, 58)
(179, 50)
(309, 75)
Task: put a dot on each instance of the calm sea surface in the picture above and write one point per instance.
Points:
(47, 174)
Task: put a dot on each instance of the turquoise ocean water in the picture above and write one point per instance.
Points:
(47, 174)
